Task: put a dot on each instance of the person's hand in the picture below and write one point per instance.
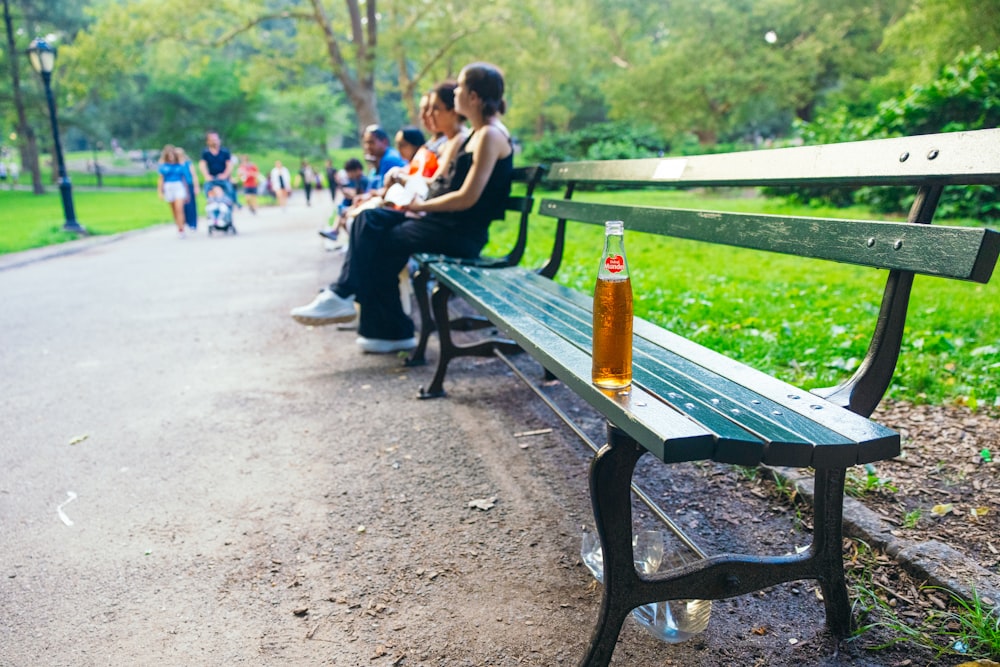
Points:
(415, 208)
(394, 175)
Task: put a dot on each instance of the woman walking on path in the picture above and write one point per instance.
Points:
(172, 186)
(331, 179)
(191, 180)
(308, 175)
(281, 183)
(453, 221)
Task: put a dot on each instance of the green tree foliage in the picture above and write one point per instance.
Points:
(724, 68)
(602, 141)
(931, 34)
(23, 111)
(165, 72)
(964, 96)
(294, 72)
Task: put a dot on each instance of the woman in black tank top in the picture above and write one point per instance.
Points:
(454, 221)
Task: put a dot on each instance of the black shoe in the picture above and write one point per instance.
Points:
(329, 234)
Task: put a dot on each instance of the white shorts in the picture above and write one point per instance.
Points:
(175, 190)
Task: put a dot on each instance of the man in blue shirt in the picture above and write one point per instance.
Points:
(380, 155)
(216, 165)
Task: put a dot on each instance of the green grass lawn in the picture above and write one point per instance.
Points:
(807, 321)
(32, 221)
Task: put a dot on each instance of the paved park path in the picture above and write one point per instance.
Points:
(189, 477)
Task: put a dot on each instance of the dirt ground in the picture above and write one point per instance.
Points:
(190, 478)
(945, 486)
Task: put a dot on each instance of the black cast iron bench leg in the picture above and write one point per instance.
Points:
(610, 493)
(828, 541)
(421, 279)
(439, 304)
(449, 349)
(714, 578)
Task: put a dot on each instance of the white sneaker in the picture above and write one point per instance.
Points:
(326, 308)
(382, 346)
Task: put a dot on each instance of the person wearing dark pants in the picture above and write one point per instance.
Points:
(454, 220)
(308, 176)
(382, 241)
(191, 179)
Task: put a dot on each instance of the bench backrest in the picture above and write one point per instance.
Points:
(522, 205)
(928, 163)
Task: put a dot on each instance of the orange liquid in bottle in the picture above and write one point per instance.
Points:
(612, 355)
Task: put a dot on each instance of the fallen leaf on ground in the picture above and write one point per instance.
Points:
(483, 504)
(78, 439)
(941, 510)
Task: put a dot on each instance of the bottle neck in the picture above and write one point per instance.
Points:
(613, 264)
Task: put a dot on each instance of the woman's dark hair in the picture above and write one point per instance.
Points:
(413, 136)
(445, 91)
(486, 81)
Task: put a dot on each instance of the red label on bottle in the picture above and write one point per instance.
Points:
(614, 263)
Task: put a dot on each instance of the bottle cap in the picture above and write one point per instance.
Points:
(614, 227)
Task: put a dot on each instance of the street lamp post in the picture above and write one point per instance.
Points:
(43, 60)
(97, 165)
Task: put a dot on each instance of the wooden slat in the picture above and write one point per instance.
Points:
(645, 416)
(880, 442)
(950, 158)
(544, 317)
(737, 385)
(737, 441)
(967, 253)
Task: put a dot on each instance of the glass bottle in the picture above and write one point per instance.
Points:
(612, 351)
(672, 621)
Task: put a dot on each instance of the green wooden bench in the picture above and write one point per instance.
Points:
(522, 205)
(690, 403)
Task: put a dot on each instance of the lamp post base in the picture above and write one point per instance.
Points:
(74, 227)
(69, 211)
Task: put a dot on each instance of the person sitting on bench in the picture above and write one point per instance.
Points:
(453, 220)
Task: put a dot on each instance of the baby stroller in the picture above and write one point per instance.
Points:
(219, 211)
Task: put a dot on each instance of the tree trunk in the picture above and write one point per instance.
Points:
(407, 86)
(359, 86)
(706, 137)
(27, 145)
(363, 101)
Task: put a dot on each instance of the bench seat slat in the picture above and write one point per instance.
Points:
(691, 441)
(967, 253)
(538, 322)
(881, 443)
(785, 417)
(735, 443)
(706, 396)
(958, 157)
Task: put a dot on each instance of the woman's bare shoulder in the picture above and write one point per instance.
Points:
(497, 131)
(496, 137)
